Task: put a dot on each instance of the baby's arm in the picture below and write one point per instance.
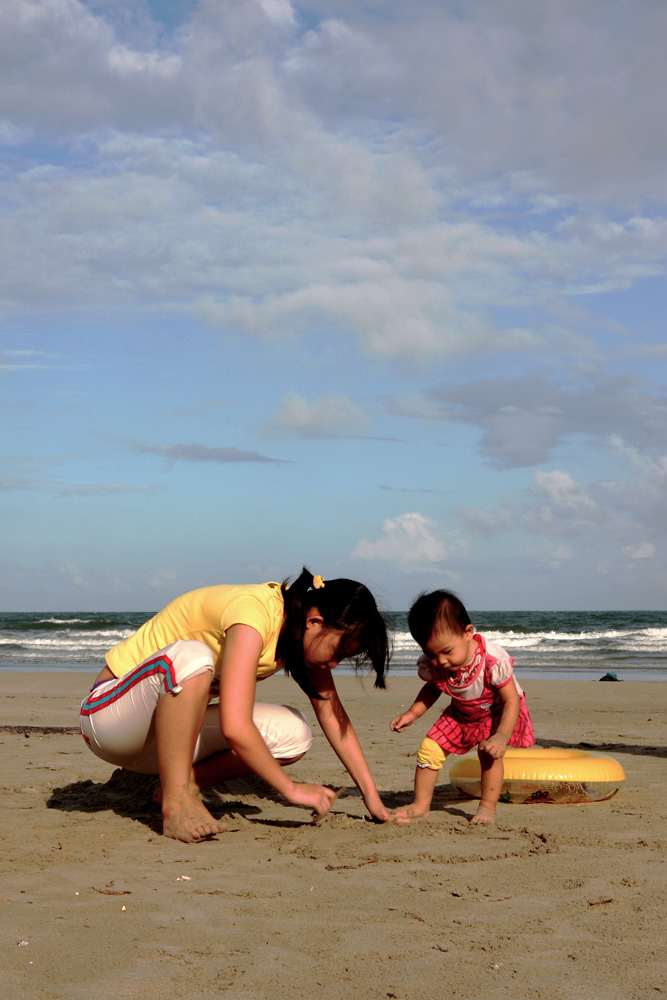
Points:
(427, 697)
(496, 745)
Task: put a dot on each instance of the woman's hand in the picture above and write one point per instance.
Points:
(402, 721)
(315, 797)
(377, 808)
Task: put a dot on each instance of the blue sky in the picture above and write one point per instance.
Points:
(375, 287)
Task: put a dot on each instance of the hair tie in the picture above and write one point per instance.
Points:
(318, 582)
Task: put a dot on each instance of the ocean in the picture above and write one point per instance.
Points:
(563, 645)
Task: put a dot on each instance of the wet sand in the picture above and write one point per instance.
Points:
(556, 902)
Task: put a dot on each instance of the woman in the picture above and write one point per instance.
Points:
(149, 708)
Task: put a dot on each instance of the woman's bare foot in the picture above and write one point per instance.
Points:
(158, 794)
(189, 820)
(406, 814)
(484, 814)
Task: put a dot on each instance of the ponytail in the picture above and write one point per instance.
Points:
(344, 605)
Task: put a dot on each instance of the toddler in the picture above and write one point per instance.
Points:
(487, 707)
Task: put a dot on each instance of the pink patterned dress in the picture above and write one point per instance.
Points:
(476, 707)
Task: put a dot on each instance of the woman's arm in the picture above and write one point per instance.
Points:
(238, 680)
(496, 745)
(340, 733)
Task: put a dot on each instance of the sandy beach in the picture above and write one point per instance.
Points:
(556, 902)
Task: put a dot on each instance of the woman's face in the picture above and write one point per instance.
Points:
(320, 644)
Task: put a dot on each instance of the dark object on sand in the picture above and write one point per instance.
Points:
(609, 676)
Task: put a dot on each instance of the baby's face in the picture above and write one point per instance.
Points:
(450, 650)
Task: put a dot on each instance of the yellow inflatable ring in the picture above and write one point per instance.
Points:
(538, 774)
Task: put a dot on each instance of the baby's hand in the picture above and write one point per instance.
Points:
(402, 721)
(495, 746)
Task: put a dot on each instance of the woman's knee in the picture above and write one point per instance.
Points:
(284, 730)
(286, 761)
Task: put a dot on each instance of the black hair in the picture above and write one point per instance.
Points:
(344, 605)
(440, 609)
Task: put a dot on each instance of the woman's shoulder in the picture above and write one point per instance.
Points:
(259, 605)
(222, 594)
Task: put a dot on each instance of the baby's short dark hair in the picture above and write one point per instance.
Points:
(440, 609)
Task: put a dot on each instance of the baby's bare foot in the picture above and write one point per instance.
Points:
(190, 822)
(484, 814)
(406, 814)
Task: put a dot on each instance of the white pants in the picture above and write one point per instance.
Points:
(118, 716)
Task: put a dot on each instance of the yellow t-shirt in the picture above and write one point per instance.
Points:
(206, 614)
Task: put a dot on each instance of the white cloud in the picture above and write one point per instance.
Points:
(524, 419)
(453, 192)
(657, 351)
(574, 523)
(488, 523)
(570, 90)
(177, 225)
(648, 465)
(162, 578)
(558, 507)
(555, 507)
(559, 488)
(642, 550)
(29, 360)
(408, 541)
(279, 11)
(332, 415)
(640, 499)
(275, 180)
(415, 406)
(63, 67)
(70, 573)
(557, 554)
